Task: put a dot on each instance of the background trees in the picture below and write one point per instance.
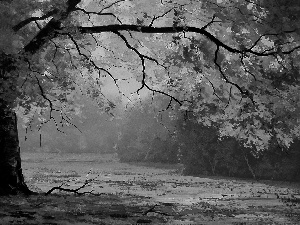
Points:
(147, 133)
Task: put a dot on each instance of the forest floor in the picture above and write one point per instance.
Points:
(140, 194)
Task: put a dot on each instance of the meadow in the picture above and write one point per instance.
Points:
(110, 192)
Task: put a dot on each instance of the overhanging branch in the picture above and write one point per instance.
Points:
(32, 19)
(50, 30)
(202, 31)
(142, 58)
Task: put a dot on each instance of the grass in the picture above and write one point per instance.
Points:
(142, 193)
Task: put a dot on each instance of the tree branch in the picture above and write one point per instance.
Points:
(49, 31)
(75, 191)
(111, 5)
(86, 183)
(202, 31)
(98, 14)
(243, 92)
(143, 57)
(160, 16)
(32, 19)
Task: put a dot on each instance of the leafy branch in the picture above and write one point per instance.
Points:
(178, 29)
(54, 29)
(143, 57)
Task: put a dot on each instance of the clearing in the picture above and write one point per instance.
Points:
(140, 194)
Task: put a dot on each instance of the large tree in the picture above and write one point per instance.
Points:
(233, 60)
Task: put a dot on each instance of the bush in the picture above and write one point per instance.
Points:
(162, 151)
(130, 154)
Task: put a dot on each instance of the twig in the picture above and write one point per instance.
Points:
(75, 191)
(151, 209)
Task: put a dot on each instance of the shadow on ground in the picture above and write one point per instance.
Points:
(139, 194)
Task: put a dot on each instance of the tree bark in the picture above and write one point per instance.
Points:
(11, 175)
(249, 166)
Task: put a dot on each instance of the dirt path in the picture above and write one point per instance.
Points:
(131, 194)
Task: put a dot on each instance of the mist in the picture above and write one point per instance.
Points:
(91, 132)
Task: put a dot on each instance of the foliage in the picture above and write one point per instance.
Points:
(247, 90)
(203, 153)
(233, 64)
(91, 131)
(147, 134)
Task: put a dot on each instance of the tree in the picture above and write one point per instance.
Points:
(244, 89)
(243, 55)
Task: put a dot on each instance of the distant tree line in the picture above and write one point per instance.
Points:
(199, 148)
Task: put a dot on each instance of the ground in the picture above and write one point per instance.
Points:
(142, 194)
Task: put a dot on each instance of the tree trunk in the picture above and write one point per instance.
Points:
(249, 166)
(11, 176)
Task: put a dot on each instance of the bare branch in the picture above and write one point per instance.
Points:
(98, 14)
(72, 5)
(32, 19)
(148, 29)
(75, 191)
(49, 31)
(143, 57)
(160, 16)
(111, 5)
(210, 23)
(86, 183)
(214, 89)
(270, 34)
(152, 209)
(243, 92)
(87, 58)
